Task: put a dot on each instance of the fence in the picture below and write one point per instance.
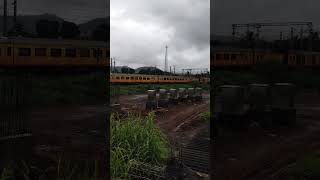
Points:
(14, 117)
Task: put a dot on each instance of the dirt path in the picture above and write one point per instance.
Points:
(176, 121)
(256, 153)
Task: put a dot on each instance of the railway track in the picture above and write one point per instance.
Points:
(196, 154)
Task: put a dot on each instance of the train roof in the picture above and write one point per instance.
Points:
(57, 42)
(145, 75)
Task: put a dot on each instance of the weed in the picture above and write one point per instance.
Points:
(135, 140)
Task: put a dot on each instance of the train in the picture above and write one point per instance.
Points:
(72, 55)
(236, 57)
(35, 52)
(120, 78)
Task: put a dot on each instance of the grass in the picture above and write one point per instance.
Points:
(205, 116)
(62, 88)
(135, 140)
(64, 170)
(306, 169)
(303, 77)
(142, 88)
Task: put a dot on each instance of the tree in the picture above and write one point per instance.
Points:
(101, 33)
(17, 30)
(47, 29)
(69, 30)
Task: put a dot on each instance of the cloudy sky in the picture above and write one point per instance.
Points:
(141, 29)
(78, 11)
(226, 12)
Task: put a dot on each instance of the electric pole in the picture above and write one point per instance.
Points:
(166, 60)
(111, 64)
(14, 12)
(5, 18)
(114, 64)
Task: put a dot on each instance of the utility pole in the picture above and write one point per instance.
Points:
(15, 11)
(170, 69)
(166, 60)
(114, 64)
(174, 70)
(5, 18)
(111, 64)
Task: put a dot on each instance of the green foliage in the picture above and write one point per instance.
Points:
(270, 73)
(47, 29)
(205, 116)
(68, 89)
(142, 88)
(64, 170)
(308, 168)
(135, 140)
(69, 30)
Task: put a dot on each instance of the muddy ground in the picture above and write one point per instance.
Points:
(77, 132)
(260, 153)
(180, 123)
(182, 126)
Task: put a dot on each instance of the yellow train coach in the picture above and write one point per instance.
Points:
(243, 57)
(27, 52)
(149, 79)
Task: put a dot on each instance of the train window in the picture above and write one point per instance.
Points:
(218, 56)
(140, 78)
(313, 59)
(84, 52)
(107, 53)
(144, 78)
(233, 56)
(97, 52)
(303, 60)
(40, 51)
(298, 59)
(71, 52)
(117, 77)
(226, 56)
(9, 51)
(136, 78)
(148, 78)
(131, 78)
(56, 52)
(24, 52)
(122, 77)
(127, 78)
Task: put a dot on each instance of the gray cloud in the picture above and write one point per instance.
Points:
(140, 30)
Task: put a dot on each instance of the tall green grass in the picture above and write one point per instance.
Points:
(68, 89)
(142, 88)
(307, 168)
(63, 170)
(205, 116)
(135, 140)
